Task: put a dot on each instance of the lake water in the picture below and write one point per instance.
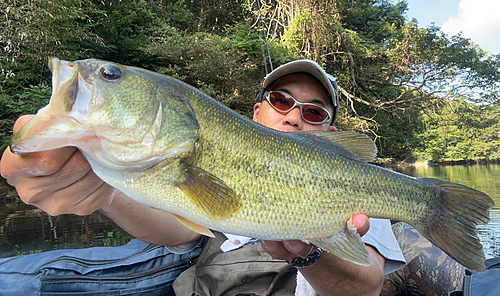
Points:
(26, 229)
(483, 177)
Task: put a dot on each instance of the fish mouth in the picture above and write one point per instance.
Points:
(64, 84)
(56, 125)
(62, 72)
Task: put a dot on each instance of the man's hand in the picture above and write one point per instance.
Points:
(331, 275)
(58, 181)
(290, 249)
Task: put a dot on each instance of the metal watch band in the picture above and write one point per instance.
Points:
(299, 262)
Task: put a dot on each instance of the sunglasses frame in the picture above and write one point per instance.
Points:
(299, 104)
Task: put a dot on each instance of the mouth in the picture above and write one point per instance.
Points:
(64, 84)
(55, 125)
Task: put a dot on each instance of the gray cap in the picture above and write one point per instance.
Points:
(310, 67)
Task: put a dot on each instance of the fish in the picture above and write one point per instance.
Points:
(167, 145)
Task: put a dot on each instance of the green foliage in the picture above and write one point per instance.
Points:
(216, 65)
(389, 68)
(292, 38)
(245, 40)
(28, 101)
(412, 89)
(371, 19)
(214, 16)
(34, 30)
(458, 130)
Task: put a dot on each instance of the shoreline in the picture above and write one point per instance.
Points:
(403, 164)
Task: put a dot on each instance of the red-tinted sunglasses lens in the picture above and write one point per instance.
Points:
(281, 101)
(285, 103)
(313, 113)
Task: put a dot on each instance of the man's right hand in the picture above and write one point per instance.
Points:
(58, 181)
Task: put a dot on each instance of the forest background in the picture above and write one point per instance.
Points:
(420, 94)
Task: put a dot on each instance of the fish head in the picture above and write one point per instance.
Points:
(117, 115)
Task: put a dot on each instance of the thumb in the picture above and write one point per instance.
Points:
(362, 223)
(21, 121)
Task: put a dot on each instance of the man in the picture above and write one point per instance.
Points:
(299, 96)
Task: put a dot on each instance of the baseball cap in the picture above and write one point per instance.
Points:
(309, 67)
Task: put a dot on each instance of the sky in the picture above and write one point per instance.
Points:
(478, 20)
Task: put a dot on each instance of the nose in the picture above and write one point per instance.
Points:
(293, 118)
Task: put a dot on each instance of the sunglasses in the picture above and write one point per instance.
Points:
(284, 103)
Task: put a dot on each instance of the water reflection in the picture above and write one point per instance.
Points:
(490, 234)
(26, 229)
(484, 177)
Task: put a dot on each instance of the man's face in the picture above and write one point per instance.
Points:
(304, 89)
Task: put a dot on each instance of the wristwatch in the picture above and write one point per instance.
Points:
(299, 262)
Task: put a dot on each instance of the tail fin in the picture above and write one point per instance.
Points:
(453, 227)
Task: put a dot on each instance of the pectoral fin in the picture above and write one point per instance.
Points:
(193, 226)
(347, 245)
(214, 197)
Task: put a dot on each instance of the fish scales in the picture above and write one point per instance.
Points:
(281, 188)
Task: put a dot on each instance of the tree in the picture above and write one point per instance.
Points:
(391, 73)
(386, 66)
(158, 35)
(458, 130)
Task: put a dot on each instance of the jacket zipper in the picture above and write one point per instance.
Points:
(136, 276)
(99, 262)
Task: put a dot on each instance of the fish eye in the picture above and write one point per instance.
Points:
(110, 72)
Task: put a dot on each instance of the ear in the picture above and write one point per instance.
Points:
(256, 111)
(332, 128)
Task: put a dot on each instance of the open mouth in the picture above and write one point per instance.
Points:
(55, 125)
(64, 84)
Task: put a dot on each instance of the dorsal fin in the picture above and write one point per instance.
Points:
(352, 145)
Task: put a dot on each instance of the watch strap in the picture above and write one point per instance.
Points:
(300, 262)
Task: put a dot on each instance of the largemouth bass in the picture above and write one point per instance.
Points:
(169, 146)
